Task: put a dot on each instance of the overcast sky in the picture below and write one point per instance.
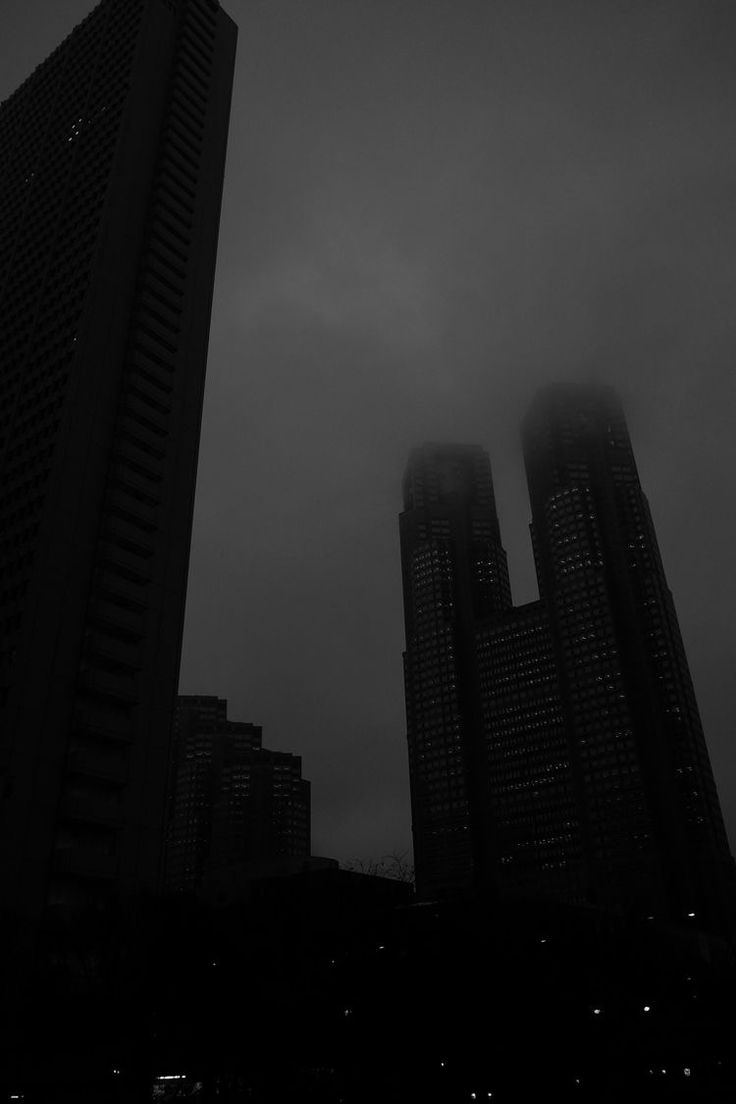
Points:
(430, 208)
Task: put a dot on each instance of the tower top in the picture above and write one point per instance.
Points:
(444, 472)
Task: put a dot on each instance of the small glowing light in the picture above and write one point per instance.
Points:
(596, 1011)
(691, 914)
(348, 1011)
(664, 1071)
(687, 1071)
(650, 917)
(214, 963)
(171, 1077)
(542, 940)
(647, 1008)
(116, 1072)
(381, 947)
(442, 1064)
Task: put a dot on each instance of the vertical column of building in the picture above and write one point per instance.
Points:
(602, 578)
(231, 802)
(261, 809)
(129, 670)
(692, 835)
(454, 570)
(197, 722)
(151, 483)
(96, 670)
(62, 139)
(562, 454)
(537, 848)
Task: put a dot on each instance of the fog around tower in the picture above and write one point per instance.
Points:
(430, 210)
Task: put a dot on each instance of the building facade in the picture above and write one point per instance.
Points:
(585, 770)
(233, 805)
(533, 824)
(112, 160)
(454, 575)
(652, 828)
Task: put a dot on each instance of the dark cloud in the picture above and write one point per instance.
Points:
(429, 210)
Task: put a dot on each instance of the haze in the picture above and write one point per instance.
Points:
(429, 210)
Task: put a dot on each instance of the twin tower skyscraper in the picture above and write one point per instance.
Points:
(555, 748)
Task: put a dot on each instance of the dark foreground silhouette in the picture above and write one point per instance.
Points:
(334, 988)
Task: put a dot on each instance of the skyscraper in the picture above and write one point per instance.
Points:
(652, 829)
(585, 773)
(111, 177)
(233, 804)
(454, 574)
(534, 846)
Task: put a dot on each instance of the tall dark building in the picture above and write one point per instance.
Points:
(534, 844)
(585, 773)
(111, 168)
(454, 574)
(652, 828)
(233, 804)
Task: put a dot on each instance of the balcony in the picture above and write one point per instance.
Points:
(103, 726)
(112, 649)
(91, 810)
(136, 563)
(122, 502)
(96, 764)
(137, 435)
(85, 862)
(117, 617)
(140, 411)
(119, 687)
(145, 484)
(126, 588)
